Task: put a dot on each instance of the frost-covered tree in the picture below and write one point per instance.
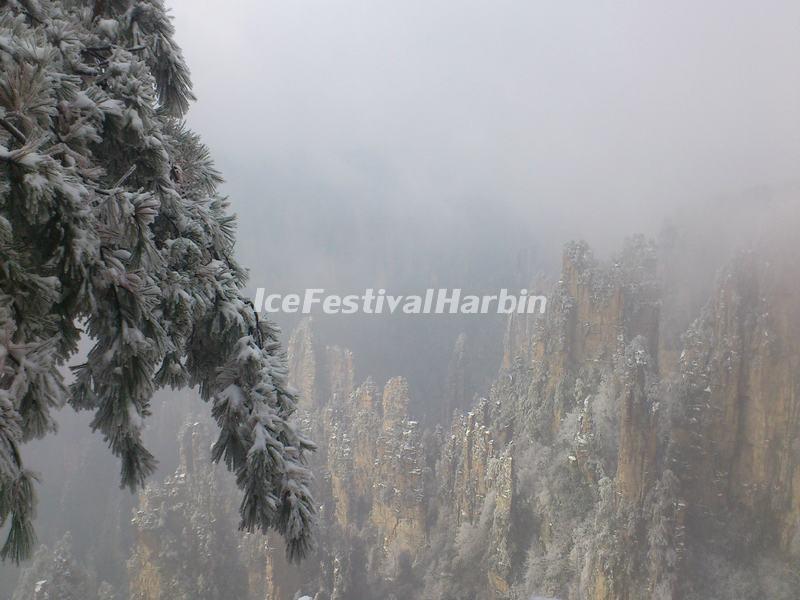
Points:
(185, 544)
(55, 575)
(111, 227)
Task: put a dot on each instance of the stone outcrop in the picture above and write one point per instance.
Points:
(741, 388)
(186, 544)
(614, 458)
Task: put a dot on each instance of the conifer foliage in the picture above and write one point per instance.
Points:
(111, 227)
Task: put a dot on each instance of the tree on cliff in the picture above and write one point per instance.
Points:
(111, 225)
(54, 574)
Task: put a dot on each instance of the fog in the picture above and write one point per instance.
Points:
(357, 136)
(409, 144)
(413, 144)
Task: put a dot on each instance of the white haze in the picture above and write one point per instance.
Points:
(365, 141)
(408, 143)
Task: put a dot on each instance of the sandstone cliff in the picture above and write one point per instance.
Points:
(626, 451)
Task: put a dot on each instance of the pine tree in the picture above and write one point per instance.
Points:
(55, 575)
(185, 543)
(111, 226)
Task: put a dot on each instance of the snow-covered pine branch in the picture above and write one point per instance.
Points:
(110, 223)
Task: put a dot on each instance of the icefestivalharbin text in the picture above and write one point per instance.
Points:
(378, 302)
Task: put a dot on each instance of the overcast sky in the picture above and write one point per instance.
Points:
(364, 140)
